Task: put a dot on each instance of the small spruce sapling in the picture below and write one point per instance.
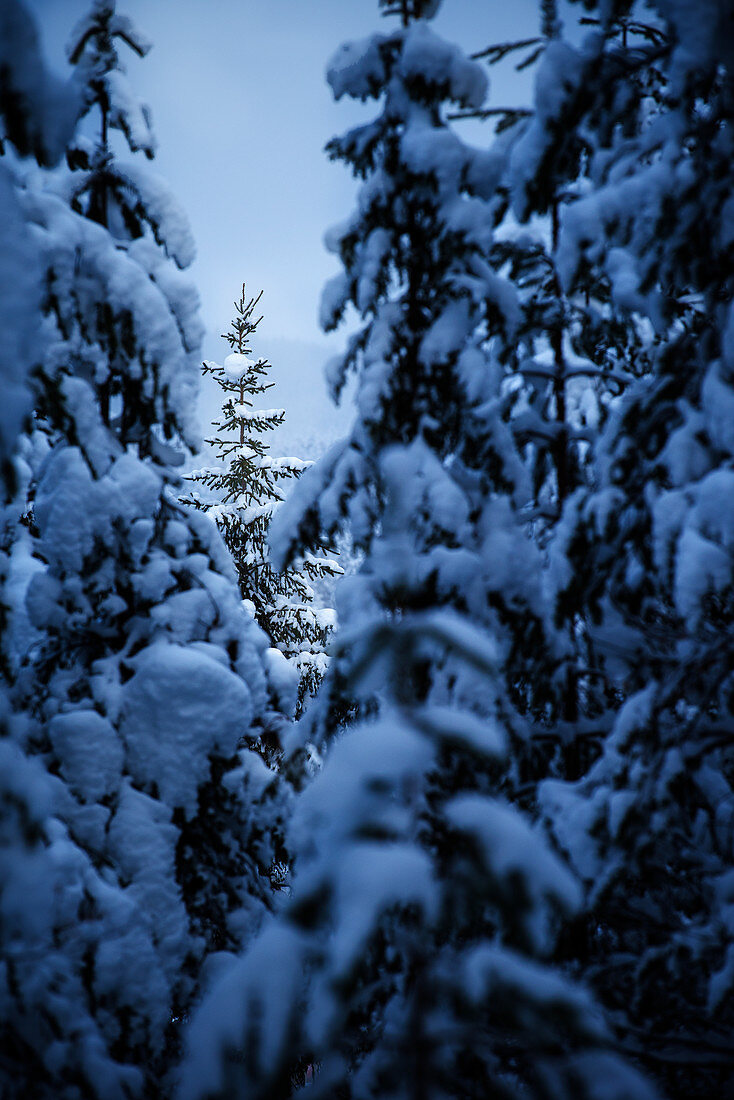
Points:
(244, 490)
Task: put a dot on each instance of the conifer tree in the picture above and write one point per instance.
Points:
(644, 554)
(571, 354)
(411, 954)
(41, 995)
(246, 489)
(153, 823)
(137, 208)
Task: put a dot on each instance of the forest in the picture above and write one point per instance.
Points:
(467, 834)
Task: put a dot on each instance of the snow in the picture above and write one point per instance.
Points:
(39, 109)
(120, 725)
(435, 151)
(45, 878)
(244, 412)
(81, 406)
(575, 819)
(251, 773)
(123, 27)
(90, 754)
(283, 678)
(87, 263)
(285, 522)
(448, 333)
(88, 24)
(371, 265)
(444, 67)
(416, 482)
(701, 567)
(62, 507)
(284, 464)
(19, 634)
(717, 399)
(334, 296)
(511, 563)
(685, 454)
(452, 585)
(20, 277)
(373, 879)
(511, 847)
(709, 513)
(178, 708)
(164, 212)
(236, 365)
(558, 78)
(23, 783)
(449, 724)
(622, 269)
(142, 842)
(246, 514)
(607, 1077)
(693, 530)
(320, 563)
(459, 635)
(186, 615)
(74, 509)
(357, 69)
(128, 114)
(349, 794)
(492, 971)
(243, 1001)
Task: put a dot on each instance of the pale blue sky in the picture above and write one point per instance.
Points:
(242, 112)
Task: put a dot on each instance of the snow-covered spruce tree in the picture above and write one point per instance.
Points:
(646, 556)
(571, 353)
(145, 690)
(43, 1006)
(243, 490)
(409, 960)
